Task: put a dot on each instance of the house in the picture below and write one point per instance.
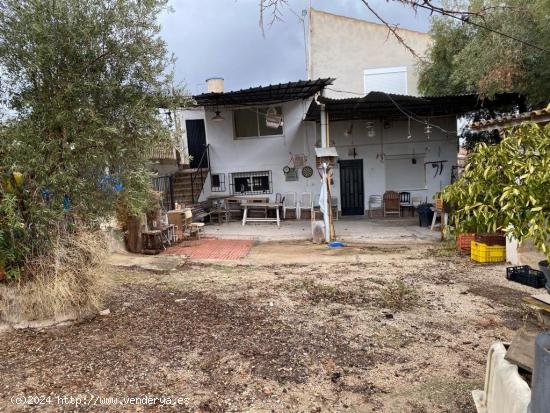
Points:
(261, 141)
(361, 99)
(362, 56)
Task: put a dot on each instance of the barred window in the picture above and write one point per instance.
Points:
(251, 183)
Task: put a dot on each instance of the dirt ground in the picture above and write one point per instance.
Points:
(292, 328)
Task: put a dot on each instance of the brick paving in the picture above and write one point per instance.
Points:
(214, 249)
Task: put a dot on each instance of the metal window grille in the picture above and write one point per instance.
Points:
(164, 185)
(217, 182)
(251, 183)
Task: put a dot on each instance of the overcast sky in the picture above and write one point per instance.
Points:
(213, 38)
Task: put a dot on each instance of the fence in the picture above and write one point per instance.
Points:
(164, 185)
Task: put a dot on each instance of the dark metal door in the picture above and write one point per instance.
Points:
(196, 143)
(351, 187)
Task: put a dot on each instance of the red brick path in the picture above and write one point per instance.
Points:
(214, 249)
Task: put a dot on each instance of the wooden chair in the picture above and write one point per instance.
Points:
(391, 204)
(289, 203)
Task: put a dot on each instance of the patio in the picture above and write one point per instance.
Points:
(350, 229)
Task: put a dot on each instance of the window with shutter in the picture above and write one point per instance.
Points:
(387, 79)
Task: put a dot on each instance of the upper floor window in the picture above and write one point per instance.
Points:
(258, 122)
(386, 79)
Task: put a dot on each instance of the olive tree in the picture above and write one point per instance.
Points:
(81, 83)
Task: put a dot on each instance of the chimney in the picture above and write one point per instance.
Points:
(214, 85)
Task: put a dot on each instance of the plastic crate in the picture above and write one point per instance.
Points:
(487, 253)
(491, 239)
(463, 242)
(524, 274)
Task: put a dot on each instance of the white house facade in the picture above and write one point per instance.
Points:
(261, 141)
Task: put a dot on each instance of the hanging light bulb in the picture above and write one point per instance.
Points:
(349, 130)
(427, 130)
(218, 117)
(409, 136)
(371, 132)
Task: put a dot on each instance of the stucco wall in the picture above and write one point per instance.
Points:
(439, 147)
(343, 47)
(228, 155)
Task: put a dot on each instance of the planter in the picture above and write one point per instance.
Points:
(463, 242)
(543, 265)
(491, 239)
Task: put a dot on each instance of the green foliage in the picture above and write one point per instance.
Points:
(465, 58)
(507, 187)
(82, 82)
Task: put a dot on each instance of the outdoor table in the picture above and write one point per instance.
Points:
(261, 205)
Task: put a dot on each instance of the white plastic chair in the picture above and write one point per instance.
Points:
(375, 202)
(334, 205)
(306, 203)
(289, 202)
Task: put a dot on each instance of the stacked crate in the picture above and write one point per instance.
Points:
(487, 248)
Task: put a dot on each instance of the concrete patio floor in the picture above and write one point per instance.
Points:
(351, 229)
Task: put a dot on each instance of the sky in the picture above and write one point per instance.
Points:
(222, 38)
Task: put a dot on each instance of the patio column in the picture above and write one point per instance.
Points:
(326, 181)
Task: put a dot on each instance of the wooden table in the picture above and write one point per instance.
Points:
(261, 205)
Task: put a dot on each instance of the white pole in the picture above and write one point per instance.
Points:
(326, 214)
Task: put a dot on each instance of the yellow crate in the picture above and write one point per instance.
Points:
(487, 253)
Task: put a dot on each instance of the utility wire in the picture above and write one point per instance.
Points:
(410, 115)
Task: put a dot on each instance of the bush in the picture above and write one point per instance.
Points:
(69, 279)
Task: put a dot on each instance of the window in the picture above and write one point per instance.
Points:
(251, 183)
(387, 79)
(217, 182)
(252, 123)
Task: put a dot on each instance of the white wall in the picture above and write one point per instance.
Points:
(440, 146)
(230, 155)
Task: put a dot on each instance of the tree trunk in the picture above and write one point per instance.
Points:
(134, 242)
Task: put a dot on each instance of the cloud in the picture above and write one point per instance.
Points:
(223, 38)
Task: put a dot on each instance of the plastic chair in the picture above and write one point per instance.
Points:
(375, 202)
(289, 203)
(306, 203)
(334, 204)
(405, 201)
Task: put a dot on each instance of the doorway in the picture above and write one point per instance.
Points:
(196, 143)
(351, 187)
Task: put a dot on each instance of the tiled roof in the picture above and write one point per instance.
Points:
(511, 120)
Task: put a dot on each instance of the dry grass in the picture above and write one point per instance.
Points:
(69, 280)
(398, 296)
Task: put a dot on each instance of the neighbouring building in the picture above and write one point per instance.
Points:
(362, 56)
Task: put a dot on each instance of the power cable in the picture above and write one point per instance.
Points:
(410, 115)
